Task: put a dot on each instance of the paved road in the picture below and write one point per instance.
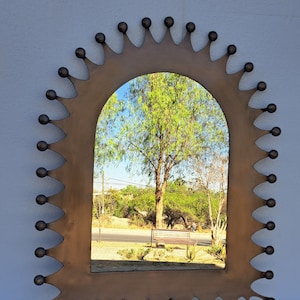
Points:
(138, 236)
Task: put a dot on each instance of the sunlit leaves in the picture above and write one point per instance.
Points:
(162, 116)
(164, 121)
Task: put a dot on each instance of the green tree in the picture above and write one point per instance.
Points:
(161, 123)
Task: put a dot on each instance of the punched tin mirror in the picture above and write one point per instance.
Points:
(74, 279)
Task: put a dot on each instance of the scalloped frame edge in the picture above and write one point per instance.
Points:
(75, 279)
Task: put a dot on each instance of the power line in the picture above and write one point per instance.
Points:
(126, 181)
(120, 180)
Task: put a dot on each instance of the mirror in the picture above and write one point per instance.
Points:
(75, 279)
(160, 177)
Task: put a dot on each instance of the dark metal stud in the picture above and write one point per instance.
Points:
(122, 27)
(270, 225)
(273, 154)
(42, 145)
(272, 178)
(271, 202)
(39, 279)
(146, 23)
(231, 49)
(275, 131)
(63, 72)
(80, 53)
(269, 250)
(44, 119)
(261, 86)
(212, 36)
(51, 95)
(40, 252)
(268, 274)
(169, 22)
(41, 199)
(41, 172)
(40, 225)
(100, 38)
(190, 27)
(271, 108)
(248, 67)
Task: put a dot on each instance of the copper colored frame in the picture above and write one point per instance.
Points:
(75, 279)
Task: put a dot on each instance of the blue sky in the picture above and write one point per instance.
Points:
(118, 177)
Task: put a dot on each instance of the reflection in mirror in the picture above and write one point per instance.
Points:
(160, 178)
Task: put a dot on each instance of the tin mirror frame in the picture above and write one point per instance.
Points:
(75, 279)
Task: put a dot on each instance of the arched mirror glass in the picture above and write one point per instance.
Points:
(160, 177)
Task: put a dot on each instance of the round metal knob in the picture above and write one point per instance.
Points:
(40, 252)
(40, 225)
(190, 27)
(44, 119)
(63, 72)
(146, 23)
(275, 131)
(269, 250)
(272, 178)
(231, 49)
(248, 67)
(212, 36)
(270, 225)
(100, 38)
(268, 274)
(41, 199)
(41, 172)
(261, 86)
(42, 145)
(169, 22)
(273, 154)
(271, 108)
(51, 95)
(80, 53)
(39, 279)
(123, 27)
(271, 202)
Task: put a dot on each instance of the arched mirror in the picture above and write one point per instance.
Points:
(75, 279)
(160, 177)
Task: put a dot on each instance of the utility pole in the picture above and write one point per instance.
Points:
(101, 208)
(102, 205)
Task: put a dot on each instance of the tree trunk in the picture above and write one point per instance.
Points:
(159, 213)
(159, 199)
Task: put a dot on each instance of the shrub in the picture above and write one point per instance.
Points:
(190, 253)
(218, 251)
(134, 254)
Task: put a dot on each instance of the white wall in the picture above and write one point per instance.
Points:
(37, 37)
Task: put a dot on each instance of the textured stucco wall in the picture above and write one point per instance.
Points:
(37, 37)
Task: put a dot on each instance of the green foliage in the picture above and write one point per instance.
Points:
(218, 251)
(126, 253)
(134, 254)
(183, 205)
(190, 252)
(105, 146)
(164, 120)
